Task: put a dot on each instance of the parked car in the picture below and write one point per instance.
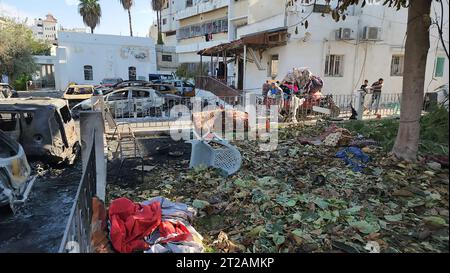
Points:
(110, 82)
(6, 91)
(43, 126)
(15, 172)
(125, 84)
(77, 93)
(163, 88)
(185, 89)
(155, 77)
(124, 102)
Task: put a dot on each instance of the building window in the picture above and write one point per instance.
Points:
(319, 8)
(166, 58)
(132, 73)
(164, 21)
(439, 69)
(397, 65)
(189, 3)
(88, 73)
(273, 66)
(334, 65)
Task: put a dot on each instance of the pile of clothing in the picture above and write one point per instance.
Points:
(354, 157)
(333, 136)
(154, 226)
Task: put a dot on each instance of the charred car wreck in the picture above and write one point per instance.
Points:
(15, 179)
(43, 126)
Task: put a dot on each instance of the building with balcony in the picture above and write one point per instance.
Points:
(267, 39)
(193, 25)
(46, 29)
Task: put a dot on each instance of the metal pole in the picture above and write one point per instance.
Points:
(244, 77)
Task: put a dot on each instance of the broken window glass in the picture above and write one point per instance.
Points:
(65, 114)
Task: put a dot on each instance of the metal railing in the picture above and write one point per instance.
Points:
(77, 236)
(142, 114)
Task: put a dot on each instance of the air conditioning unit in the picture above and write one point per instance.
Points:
(344, 34)
(371, 34)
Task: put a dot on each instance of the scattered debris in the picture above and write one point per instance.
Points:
(302, 198)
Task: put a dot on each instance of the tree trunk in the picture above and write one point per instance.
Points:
(92, 30)
(129, 19)
(416, 51)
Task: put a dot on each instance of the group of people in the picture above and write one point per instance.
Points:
(275, 92)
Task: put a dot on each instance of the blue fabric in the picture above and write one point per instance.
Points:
(354, 157)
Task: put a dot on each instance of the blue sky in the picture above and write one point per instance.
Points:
(114, 18)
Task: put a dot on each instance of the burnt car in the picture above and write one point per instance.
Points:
(6, 91)
(15, 172)
(43, 126)
(125, 84)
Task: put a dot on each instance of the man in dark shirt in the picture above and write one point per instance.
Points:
(376, 96)
(364, 86)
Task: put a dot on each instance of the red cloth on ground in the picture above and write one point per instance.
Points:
(173, 232)
(131, 222)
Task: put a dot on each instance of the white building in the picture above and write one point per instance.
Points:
(368, 44)
(86, 58)
(46, 29)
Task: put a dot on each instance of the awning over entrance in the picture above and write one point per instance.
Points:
(261, 40)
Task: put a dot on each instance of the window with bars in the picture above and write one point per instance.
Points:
(166, 58)
(211, 27)
(334, 65)
(88, 73)
(397, 65)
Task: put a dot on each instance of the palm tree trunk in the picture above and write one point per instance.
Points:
(129, 19)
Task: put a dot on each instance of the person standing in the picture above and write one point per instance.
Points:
(376, 94)
(265, 88)
(365, 87)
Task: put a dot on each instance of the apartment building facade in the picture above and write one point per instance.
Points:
(192, 25)
(368, 44)
(46, 29)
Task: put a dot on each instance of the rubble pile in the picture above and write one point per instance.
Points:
(303, 198)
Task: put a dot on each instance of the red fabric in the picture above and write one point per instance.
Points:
(131, 222)
(173, 232)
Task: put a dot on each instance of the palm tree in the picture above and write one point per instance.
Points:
(91, 12)
(127, 4)
(158, 5)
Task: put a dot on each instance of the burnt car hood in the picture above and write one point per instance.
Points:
(15, 172)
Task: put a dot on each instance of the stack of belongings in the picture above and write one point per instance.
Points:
(299, 76)
(154, 226)
(218, 120)
(333, 136)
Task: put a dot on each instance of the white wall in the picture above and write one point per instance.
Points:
(110, 56)
(362, 59)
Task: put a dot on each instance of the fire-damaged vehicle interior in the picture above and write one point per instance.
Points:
(43, 126)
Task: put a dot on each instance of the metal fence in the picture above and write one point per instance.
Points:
(145, 114)
(77, 236)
